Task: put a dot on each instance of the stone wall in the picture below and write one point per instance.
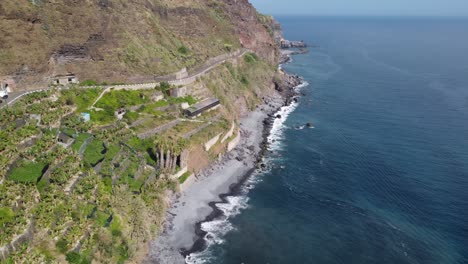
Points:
(229, 133)
(179, 174)
(26, 237)
(190, 180)
(234, 142)
(159, 129)
(185, 81)
(138, 86)
(182, 74)
(212, 142)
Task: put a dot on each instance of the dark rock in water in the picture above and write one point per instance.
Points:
(295, 100)
(309, 125)
(278, 116)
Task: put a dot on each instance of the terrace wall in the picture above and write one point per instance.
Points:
(234, 142)
(212, 142)
(229, 133)
(27, 236)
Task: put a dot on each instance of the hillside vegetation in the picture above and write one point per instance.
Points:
(102, 198)
(94, 189)
(122, 40)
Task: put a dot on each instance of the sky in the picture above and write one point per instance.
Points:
(364, 7)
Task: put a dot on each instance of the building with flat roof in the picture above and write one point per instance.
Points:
(203, 106)
(65, 79)
(65, 140)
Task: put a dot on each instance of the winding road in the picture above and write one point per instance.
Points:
(193, 75)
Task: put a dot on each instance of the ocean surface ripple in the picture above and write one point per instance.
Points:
(382, 175)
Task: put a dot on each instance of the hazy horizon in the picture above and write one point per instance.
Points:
(395, 8)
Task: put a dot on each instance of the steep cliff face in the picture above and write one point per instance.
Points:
(253, 29)
(122, 40)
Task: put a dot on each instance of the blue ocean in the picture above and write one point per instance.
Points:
(382, 177)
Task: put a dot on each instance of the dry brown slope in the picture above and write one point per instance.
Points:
(122, 40)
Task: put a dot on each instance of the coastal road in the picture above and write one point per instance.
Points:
(207, 67)
(15, 96)
(193, 75)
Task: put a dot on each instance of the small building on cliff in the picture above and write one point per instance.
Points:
(203, 106)
(65, 79)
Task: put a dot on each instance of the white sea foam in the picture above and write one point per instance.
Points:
(198, 258)
(219, 227)
(276, 133)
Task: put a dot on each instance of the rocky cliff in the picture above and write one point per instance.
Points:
(123, 40)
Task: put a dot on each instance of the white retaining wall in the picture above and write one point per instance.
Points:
(229, 133)
(212, 142)
(179, 174)
(189, 181)
(234, 142)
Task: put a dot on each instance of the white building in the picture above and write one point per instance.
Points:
(64, 79)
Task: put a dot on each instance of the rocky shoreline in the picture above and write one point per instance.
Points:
(286, 54)
(288, 93)
(182, 233)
